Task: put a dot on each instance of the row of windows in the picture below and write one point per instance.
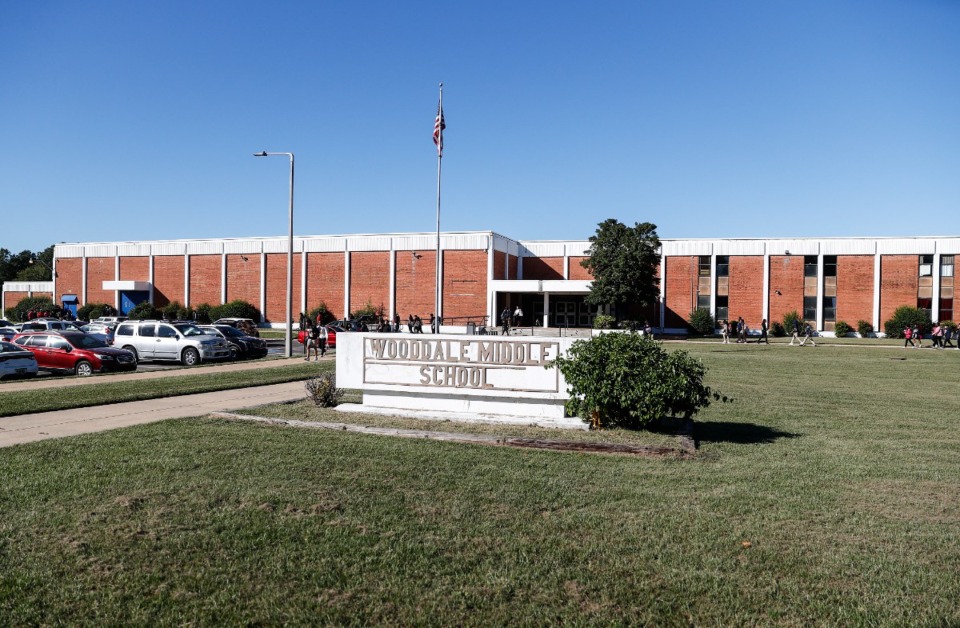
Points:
(810, 287)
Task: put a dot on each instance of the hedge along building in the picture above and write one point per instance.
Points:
(824, 279)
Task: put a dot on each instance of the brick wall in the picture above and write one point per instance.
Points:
(369, 279)
(243, 278)
(416, 283)
(746, 289)
(167, 279)
(69, 277)
(205, 280)
(854, 288)
(543, 268)
(100, 269)
(680, 289)
(275, 294)
(898, 284)
(499, 264)
(464, 289)
(577, 271)
(513, 267)
(325, 282)
(786, 276)
(135, 268)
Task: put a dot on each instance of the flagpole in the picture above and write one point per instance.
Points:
(436, 310)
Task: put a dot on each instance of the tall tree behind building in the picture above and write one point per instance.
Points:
(623, 261)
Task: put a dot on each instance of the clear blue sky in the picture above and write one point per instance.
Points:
(137, 120)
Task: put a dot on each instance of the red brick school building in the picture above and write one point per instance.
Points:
(824, 279)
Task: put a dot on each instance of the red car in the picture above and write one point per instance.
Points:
(75, 351)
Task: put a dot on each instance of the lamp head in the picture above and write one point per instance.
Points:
(260, 154)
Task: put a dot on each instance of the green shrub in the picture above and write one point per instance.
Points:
(788, 319)
(203, 313)
(144, 311)
(368, 311)
(777, 329)
(950, 324)
(701, 322)
(20, 311)
(604, 321)
(864, 328)
(630, 381)
(236, 309)
(323, 391)
(175, 311)
(906, 316)
(325, 314)
(90, 311)
(841, 329)
(629, 325)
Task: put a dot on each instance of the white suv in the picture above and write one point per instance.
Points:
(157, 340)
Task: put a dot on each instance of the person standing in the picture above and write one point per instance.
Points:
(725, 332)
(396, 322)
(517, 316)
(741, 331)
(907, 336)
(433, 323)
(917, 337)
(417, 324)
(505, 320)
(947, 335)
(313, 342)
(937, 336)
(763, 333)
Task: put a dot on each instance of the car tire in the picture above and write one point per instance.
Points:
(136, 356)
(234, 352)
(83, 369)
(190, 357)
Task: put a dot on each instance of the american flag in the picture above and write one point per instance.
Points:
(438, 126)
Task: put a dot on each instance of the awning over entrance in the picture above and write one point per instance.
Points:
(68, 298)
(127, 285)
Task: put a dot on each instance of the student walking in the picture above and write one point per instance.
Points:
(725, 332)
(907, 337)
(763, 333)
(313, 342)
(937, 336)
(796, 332)
(947, 335)
(808, 335)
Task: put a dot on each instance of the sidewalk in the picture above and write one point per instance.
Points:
(27, 428)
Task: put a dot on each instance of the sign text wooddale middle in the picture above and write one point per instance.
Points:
(485, 364)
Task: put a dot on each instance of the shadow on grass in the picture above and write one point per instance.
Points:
(741, 433)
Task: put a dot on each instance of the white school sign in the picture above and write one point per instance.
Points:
(504, 378)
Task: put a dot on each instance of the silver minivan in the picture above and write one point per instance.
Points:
(160, 340)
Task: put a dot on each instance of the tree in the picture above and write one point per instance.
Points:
(623, 261)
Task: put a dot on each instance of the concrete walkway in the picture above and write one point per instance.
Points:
(28, 428)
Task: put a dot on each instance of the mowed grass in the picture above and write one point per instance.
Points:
(827, 493)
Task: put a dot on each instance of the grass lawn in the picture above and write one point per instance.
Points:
(827, 493)
(103, 390)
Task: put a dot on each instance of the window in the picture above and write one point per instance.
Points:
(926, 265)
(722, 308)
(704, 265)
(829, 290)
(810, 308)
(165, 331)
(704, 283)
(723, 265)
(809, 265)
(147, 330)
(946, 288)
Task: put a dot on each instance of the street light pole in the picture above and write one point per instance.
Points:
(288, 334)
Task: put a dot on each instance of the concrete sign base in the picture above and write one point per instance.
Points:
(490, 378)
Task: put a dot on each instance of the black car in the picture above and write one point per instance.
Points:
(241, 345)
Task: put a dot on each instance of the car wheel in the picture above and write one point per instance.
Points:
(190, 357)
(83, 369)
(234, 352)
(136, 357)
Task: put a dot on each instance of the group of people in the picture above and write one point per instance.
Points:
(741, 331)
(508, 319)
(940, 337)
(313, 335)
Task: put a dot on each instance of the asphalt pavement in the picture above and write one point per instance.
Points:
(28, 428)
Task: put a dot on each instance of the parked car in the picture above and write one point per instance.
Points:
(245, 325)
(47, 324)
(102, 331)
(331, 335)
(114, 320)
(15, 361)
(75, 351)
(241, 345)
(7, 333)
(159, 340)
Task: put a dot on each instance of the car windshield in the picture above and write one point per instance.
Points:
(190, 330)
(9, 347)
(227, 330)
(84, 341)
